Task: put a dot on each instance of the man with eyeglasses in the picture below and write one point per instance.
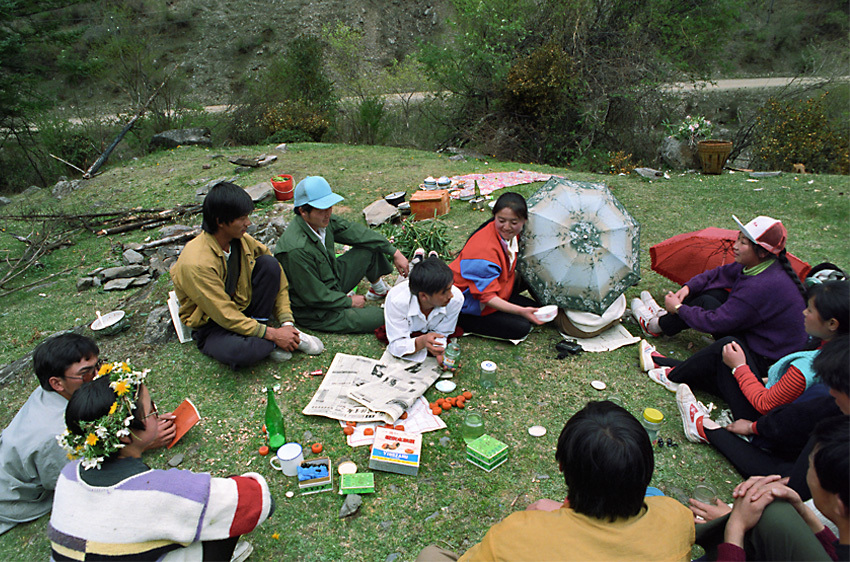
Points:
(30, 456)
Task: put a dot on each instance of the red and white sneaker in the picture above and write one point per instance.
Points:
(693, 414)
(659, 375)
(650, 304)
(373, 295)
(642, 316)
(646, 351)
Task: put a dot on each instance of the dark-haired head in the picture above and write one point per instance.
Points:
(225, 203)
(93, 401)
(305, 208)
(607, 461)
(513, 201)
(832, 366)
(832, 301)
(430, 276)
(830, 459)
(54, 355)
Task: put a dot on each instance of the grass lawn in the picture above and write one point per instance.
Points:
(450, 502)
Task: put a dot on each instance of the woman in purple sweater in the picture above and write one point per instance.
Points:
(758, 299)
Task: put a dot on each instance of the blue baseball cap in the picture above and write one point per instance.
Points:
(316, 192)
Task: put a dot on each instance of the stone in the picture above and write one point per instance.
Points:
(308, 435)
(158, 327)
(202, 191)
(246, 161)
(260, 191)
(5, 201)
(351, 505)
(445, 441)
(678, 154)
(175, 460)
(432, 516)
(85, 283)
(206, 166)
(385, 525)
(141, 280)
(174, 229)
(282, 148)
(651, 174)
(182, 137)
(65, 187)
(379, 212)
(123, 271)
(457, 158)
(392, 557)
(32, 190)
(242, 169)
(118, 284)
(157, 264)
(132, 257)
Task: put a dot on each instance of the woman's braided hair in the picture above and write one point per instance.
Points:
(786, 265)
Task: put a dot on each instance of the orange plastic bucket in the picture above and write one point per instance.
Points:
(283, 190)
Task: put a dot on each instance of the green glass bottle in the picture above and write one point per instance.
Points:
(274, 423)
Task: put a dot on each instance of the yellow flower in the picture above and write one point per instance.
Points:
(275, 536)
(125, 367)
(121, 387)
(104, 369)
(113, 408)
(91, 440)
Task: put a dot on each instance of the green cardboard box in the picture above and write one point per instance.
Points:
(358, 483)
(486, 452)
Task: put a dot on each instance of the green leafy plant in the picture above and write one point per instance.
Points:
(407, 236)
(799, 131)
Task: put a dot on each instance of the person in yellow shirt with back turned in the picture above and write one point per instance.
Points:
(607, 461)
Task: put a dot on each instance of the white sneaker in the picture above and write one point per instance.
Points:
(646, 350)
(693, 413)
(642, 316)
(378, 291)
(279, 355)
(418, 256)
(241, 551)
(650, 304)
(311, 345)
(433, 254)
(659, 375)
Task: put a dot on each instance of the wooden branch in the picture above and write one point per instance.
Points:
(169, 240)
(10, 291)
(68, 163)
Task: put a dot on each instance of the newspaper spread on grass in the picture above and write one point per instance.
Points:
(361, 389)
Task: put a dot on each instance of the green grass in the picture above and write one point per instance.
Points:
(535, 387)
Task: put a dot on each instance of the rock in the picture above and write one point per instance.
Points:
(141, 280)
(392, 557)
(157, 264)
(175, 460)
(457, 158)
(260, 192)
(174, 229)
(308, 435)
(158, 327)
(5, 201)
(118, 284)
(32, 190)
(379, 212)
(249, 162)
(184, 137)
(649, 173)
(242, 169)
(432, 516)
(64, 187)
(541, 476)
(351, 506)
(445, 441)
(85, 283)
(678, 154)
(282, 148)
(123, 271)
(202, 191)
(206, 166)
(385, 525)
(132, 257)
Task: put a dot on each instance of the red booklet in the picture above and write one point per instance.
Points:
(186, 415)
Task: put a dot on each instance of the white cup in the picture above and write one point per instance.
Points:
(289, 456)
(547, 313)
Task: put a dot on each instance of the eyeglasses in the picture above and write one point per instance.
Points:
(153, 412)
(86, 374)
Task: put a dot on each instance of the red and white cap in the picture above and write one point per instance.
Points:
(768, 233)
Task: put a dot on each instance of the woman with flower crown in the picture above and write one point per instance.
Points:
(110, 505)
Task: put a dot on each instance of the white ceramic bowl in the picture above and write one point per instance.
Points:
(110, 323)
(547, 313)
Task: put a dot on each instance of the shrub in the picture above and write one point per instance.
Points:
(799, 131)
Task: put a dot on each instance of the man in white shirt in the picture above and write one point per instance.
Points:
(421, 310)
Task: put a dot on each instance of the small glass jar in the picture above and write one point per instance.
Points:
(473, 426)
(652, 420)
(451, 356)
(487, 378)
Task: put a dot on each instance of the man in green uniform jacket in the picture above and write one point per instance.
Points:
(319, 281)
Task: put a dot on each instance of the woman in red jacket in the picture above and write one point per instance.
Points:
(485, 271)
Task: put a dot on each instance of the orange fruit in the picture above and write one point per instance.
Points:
(264, 450)
(368, 431)
(348, 430)
(316, 448)
(467, 395)
(436, 411)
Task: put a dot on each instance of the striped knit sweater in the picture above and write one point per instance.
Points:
(150, 514)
